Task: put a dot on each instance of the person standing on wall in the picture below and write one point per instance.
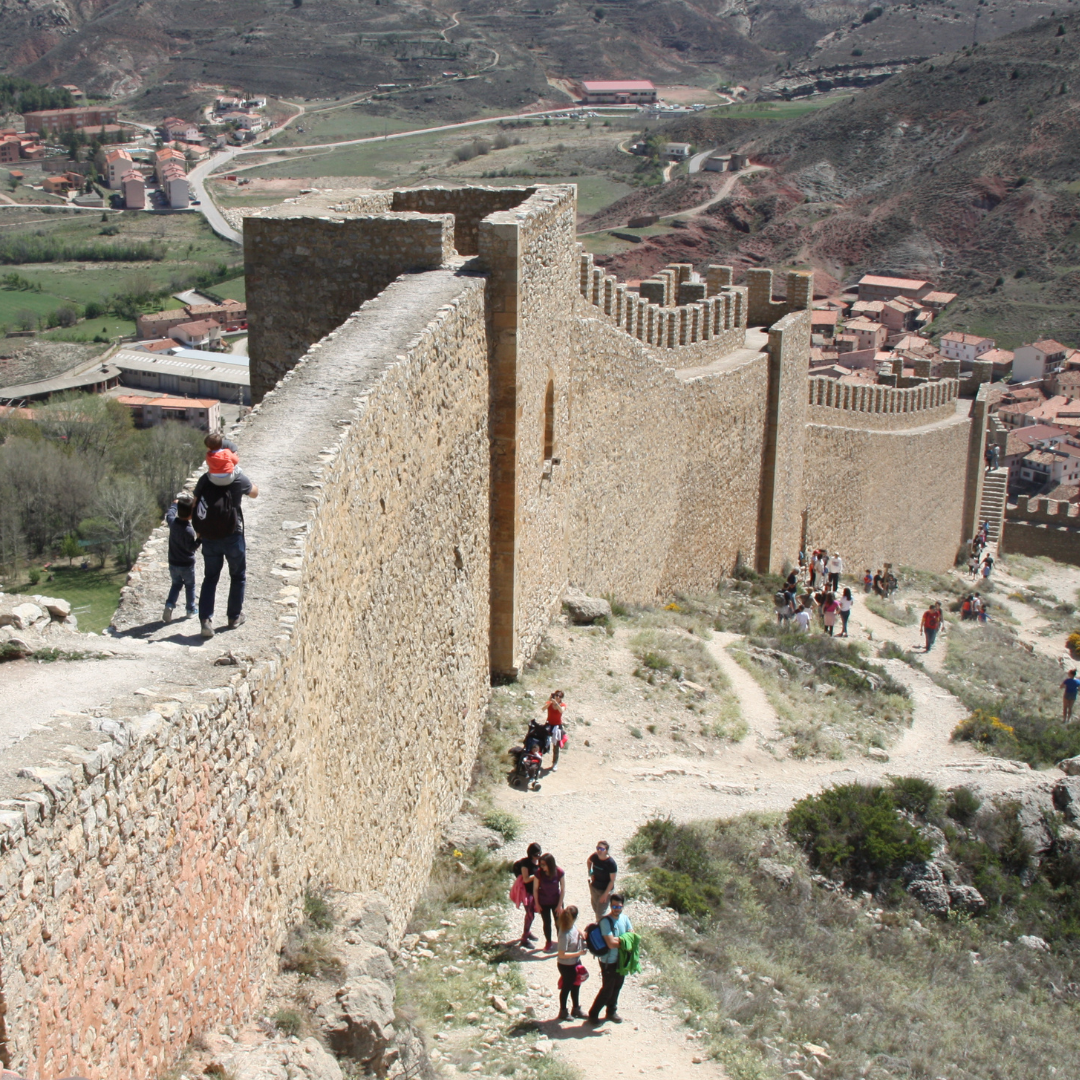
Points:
(555, 709)
(931, 624)
(612, 926)
(219, 523)
(602, 870)
(523, 891)
(836, 568)
(549, 889)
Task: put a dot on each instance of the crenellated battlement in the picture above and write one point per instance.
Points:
(882, 405)
(1039, 510)
(669, 310)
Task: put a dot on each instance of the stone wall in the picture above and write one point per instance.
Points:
(887, 496)
(530, 254)
(1041, 526)
(149, 872)
(467, 205)
(663, 469)
(784, 447)
(881, 407)
(310, 264)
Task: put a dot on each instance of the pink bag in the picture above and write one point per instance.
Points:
(518, 893)
(581, 973)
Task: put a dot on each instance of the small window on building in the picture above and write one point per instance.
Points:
(549, 421)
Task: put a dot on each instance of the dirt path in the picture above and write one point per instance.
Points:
(611, 780)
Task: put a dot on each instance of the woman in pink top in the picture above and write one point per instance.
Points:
(829, 610)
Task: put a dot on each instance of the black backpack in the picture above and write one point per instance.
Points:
(215, 513)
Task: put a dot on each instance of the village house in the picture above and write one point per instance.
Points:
(618, 92)
(157, 324)
(118, 164)
(173, 129)
(878, 287)
(967, 348)
(1034, 361)
(824, 322)
(201, 413)
(167, 156)
(1064, 384)
(76, 119)
(200, 334)
(133, 187)
(867, 334)
(937, 301)
(676, 151)
(718, 162)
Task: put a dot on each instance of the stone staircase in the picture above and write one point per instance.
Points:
(992, 507)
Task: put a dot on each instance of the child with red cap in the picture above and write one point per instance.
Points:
(222, 459)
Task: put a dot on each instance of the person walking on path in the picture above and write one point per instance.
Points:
(549, 890)
(524, 877)
(836, 568)
(555, 709)
(867, 582)
(602, 870)
(571, 949)
(1070, 685)
(219, 523)
(845, 603)
(987, 567)
(931, 624)
(612, 926)
(829, 611)
(183, 544)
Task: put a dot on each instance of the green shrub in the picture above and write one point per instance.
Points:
(310, 954)
(504, 823)
(915, 795)
(683, 893)
(853, 832)
(317, 911)
(289, 1021)
(963, 805)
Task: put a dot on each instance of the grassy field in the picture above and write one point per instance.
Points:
(779, 110)
(93, 594)
(232, 290)
(338, 123)
(191, 249)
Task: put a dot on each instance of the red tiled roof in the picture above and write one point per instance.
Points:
(892, 282)
(617, 87)
(965, 339)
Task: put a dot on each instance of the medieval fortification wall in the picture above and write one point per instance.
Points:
(459, 415)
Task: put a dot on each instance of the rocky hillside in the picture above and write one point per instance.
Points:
(318, 47)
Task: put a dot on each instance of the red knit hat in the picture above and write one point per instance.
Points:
(221, 461)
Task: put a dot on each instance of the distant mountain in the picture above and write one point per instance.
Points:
(320, 47)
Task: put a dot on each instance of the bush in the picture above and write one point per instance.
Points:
(683, 893)
(317, 911)
(853, 832)
(988, 731)
(963, 805)
(915, 795)
(505, 824)
(289, 1022)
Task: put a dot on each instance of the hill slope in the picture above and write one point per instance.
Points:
(312, 48)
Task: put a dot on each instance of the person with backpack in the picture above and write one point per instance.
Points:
(602, 870)
(571, 949)
(219, 523)
(612, 927)
(931, 624)
(549, 890)
(182, 546)
(522, 892)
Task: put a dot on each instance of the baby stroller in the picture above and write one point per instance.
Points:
(528, 758)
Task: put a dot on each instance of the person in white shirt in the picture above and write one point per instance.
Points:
(836, 568)
(845, 603)
(802, 620)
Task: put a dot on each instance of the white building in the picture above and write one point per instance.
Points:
(967, 348)
(1033, 361)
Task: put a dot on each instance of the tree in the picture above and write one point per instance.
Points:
(125, 503)
(88, 424)
(69, 547)
(167, 454)
(98, 533)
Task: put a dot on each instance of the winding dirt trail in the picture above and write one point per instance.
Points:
(614, 777)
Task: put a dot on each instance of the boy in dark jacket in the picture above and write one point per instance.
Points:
(182, 546)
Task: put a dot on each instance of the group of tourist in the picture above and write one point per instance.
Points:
(883, 583)
(540, 886)
(799, 610)
(212, 518)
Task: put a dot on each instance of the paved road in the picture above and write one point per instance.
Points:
(698, 160)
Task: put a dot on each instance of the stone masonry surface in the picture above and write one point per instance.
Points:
(442, 447)
(150, 869)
